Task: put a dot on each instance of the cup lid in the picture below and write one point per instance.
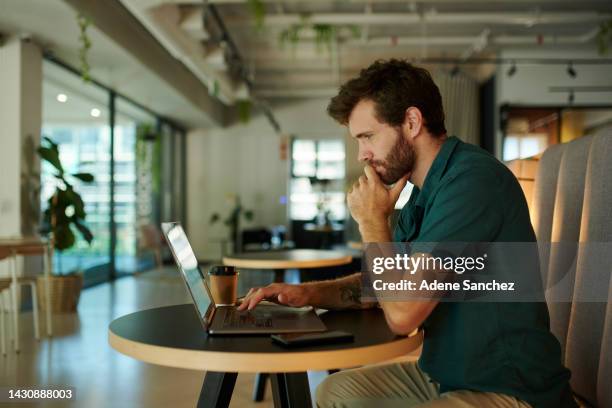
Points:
(222, 270)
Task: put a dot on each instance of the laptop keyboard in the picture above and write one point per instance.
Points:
(235, 319)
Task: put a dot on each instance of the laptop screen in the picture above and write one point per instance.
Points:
(188, 265)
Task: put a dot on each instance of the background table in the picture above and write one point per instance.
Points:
(288, 259)
(29, 246)
(173, 336)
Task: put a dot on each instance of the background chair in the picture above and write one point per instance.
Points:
(151, 239)
(12, 286)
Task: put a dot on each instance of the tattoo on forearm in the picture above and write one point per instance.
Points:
(351, 293)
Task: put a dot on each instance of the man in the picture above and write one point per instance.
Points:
(475, 354)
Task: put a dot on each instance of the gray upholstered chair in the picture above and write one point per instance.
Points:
(583, 352)
(565, 233)
(572, 208)
(543, 205)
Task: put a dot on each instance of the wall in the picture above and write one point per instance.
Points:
(20, 119)
(530, 84)
(245, 159)
(20, 116)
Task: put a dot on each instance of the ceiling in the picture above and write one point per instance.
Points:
(53, 25)
(362, 32)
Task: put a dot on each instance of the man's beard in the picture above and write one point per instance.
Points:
(399, 161)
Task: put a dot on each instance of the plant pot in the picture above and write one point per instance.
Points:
(64, 292)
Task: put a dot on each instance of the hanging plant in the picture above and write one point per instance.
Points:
(213, 88)
(291, 35)
(604, 37)
(84, 24)
(325, 34)
(244, 110)
(258, 11)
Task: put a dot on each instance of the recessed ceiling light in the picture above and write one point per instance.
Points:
(62, 97)
(95, 112)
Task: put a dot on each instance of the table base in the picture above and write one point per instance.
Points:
(289, 390)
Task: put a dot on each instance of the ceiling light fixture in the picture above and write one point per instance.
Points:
(570, 97)
(570, 70)
(512, 69)
(95, 112)
(61, 97)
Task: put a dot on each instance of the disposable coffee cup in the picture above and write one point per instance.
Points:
(223, 284)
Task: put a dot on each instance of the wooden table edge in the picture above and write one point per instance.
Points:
(235, 362)
(288, 264)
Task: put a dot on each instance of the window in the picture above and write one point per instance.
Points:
(317, 180)
(78, 117)
(79, 124)
(129, 120)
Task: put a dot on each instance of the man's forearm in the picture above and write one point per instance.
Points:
(342, 293)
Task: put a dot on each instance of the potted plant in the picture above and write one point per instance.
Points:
(232, 221)
(65, 211)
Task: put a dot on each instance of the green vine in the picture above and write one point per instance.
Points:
(604, 37)
(325, 34)
(84, 24)
(244, 110)
(258, 11)
(213, 88)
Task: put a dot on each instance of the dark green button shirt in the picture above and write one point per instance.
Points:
(469, 196)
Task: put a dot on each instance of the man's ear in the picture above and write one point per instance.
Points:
(413, 122)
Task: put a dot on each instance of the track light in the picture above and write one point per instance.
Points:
(570, 70)
(570, 97)
(512, 70)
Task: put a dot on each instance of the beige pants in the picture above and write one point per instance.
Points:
(400, 385)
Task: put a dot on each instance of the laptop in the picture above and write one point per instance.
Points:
(266, 318)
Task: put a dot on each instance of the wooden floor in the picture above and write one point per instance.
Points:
(79, 356)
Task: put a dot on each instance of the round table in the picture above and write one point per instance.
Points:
(173, 336)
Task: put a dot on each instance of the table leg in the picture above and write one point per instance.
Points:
(279, 275)
(217, 389)
(291, 390)
(47, 271)
(259, 388)
(15, 299)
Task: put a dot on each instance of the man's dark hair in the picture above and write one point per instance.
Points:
(393, 86)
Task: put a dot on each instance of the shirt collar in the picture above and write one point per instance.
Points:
(437, 169)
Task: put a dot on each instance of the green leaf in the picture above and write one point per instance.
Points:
(74, 199)
(244, 110)
(63, 237)
(214, 218)
(85, 232)
(84, 177)
(51, 155)
(51, 143)
(248, 215)
(258, 10)
(355, 30)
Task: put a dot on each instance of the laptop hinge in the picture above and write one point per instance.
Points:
(209, 315)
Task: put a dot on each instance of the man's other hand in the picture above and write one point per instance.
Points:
(282, 293)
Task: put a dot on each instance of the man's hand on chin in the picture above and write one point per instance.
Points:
(371, 202)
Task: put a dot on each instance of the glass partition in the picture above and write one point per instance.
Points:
(75, 116)
(123, 211)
